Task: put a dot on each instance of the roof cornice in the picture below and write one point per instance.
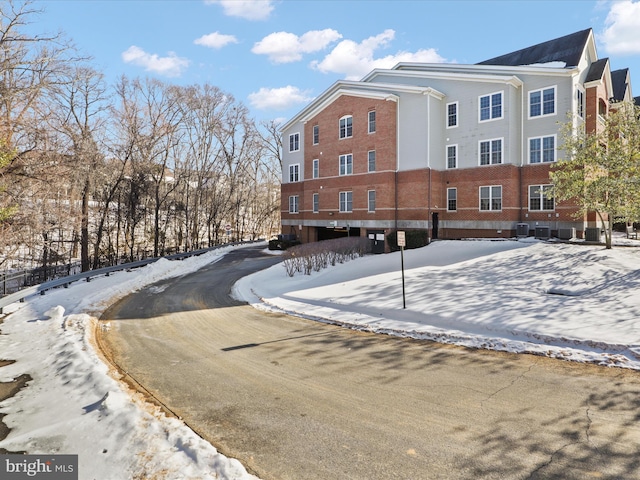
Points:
(471, 73)
(378, 91)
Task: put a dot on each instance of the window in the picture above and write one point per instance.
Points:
(372, 121)
(540, 199)
(602, 108)
(316, 168)
(294, 173)
(452, 156)
(491, 198)
(452, 114)
(316, 202)
(316, 134)
(542, 149)
(452, 199)
(491, 152)
(346, 201)
(371, 160)
(346, 127)
(580, 102)
(293, 204)
(371, 204)
(491, 107)
(346, 164)
(294, 142)
(542, 102)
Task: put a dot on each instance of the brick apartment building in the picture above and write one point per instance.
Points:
(454, 150)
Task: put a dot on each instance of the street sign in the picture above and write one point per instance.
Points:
(402, 242)
(227, 226)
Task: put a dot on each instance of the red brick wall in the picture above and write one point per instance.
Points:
(330, 146)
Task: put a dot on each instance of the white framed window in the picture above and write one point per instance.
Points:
(316, 202)
(371, 201)
(372, 121)
(542, 149)
(490, 151)
(542, 102)
(316, 134)
(452, 114)
(316, 168)
(346, 127)
(346, 201)
(294, 172)
(490, 106)
(491, 198)
(452, 156)
(540, 198)
(293, 203)
(346, 164)
(580, 102)
(294, 142)
(452, 199)
(371, 161)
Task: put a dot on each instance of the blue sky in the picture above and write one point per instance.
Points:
(276, 55)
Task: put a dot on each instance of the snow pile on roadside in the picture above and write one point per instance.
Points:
(73, 406)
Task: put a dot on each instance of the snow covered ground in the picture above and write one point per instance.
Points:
(574, 302)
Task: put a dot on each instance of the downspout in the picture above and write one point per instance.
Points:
(429, 222)
(395, 223)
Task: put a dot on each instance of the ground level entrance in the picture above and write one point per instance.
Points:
(377, 240)
(329, 233)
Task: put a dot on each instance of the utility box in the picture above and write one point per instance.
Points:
(543, 233)
(592, 234)
(566, 233)
(522, 230)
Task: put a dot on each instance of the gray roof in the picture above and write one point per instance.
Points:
(620, 84)
(596, 70)
(567, 49)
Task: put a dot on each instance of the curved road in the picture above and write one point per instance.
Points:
(297, 399)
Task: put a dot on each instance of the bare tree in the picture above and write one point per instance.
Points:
(30, 66)
(77, 115)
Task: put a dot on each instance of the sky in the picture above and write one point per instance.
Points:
(275, 56)
(568, 301)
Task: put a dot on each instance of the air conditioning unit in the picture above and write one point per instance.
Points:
(522, 230)
(543, 233)
(566, 233)
(592, 234)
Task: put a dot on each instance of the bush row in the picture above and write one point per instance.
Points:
(315, 256)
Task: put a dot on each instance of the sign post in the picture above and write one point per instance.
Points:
(401, 243)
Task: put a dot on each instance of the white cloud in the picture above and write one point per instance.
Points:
(285, 47)
(620, 35)
(215, 40)
(171, 65)
(355, 60)
(278, 98)
(247, 9)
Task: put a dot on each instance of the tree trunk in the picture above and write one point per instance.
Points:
(84, 228)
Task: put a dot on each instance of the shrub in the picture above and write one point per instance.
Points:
(315, 256)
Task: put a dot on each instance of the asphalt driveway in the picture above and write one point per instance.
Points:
(297, 399)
